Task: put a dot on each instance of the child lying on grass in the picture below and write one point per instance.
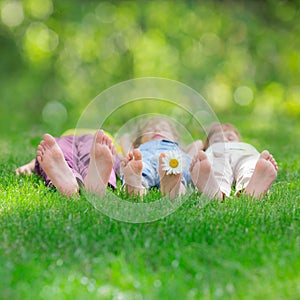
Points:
(227, 161)
(156, 160)
(70, 161)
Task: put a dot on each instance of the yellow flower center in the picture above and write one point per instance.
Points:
(173, 163)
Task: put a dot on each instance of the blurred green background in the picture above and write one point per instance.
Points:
(57, 56)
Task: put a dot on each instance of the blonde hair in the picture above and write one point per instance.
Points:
(153, 120)
(217, 127)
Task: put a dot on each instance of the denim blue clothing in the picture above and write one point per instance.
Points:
(151, 152)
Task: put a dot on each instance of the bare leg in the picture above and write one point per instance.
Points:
(265, 173)
(170, 185)
(203, 177)
(52, 161)
(101, 164)
(132, 167)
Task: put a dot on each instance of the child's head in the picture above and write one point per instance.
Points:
(156, 128)
(225, 132)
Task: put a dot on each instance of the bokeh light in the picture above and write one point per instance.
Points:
(12, 13)
(220, 49)
(219, 95)
(40, 9)
(54, 114)
(39, 41)
(243, 95)
(106, 12)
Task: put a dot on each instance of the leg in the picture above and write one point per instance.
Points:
(264, 174)
(52, 161)
(100, 165)
(170, 185)
(132, 167)
(82, 156)
(203, 177)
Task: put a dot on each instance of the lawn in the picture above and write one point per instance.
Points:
(58, 248)
(242, 56)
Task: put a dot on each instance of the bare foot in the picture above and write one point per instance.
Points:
(52, 161)
(203, 177)
(101, 164)
(132, 167)
(265, 173)
(170, 185)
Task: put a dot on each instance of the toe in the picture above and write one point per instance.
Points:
(49, 139)
(202, 155)
(137, 154)
(265, 154)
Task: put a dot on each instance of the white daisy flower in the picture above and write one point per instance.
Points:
(172, 162)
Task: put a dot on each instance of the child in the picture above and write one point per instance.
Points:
(69, 161)
(227, 160)
(157, 160)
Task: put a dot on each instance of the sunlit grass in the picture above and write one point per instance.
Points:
(58, 248)
(242, 56)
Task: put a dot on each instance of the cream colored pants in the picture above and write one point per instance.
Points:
(232, 163)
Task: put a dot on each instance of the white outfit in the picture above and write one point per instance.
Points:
(232, 162)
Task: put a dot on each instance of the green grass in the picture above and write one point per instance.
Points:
(58, 248)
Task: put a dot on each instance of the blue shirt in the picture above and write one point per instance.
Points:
(151, 152)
